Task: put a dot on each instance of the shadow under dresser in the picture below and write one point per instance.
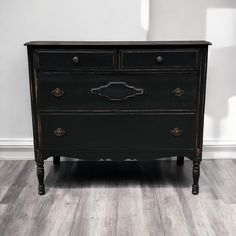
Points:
(118, 100)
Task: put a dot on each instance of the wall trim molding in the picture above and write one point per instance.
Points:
(16, 149)
(22, 149)
(219, 149)
(5, 143)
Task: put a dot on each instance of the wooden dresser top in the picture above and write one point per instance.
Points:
(115, 43)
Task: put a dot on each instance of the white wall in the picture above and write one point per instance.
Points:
(213, 20)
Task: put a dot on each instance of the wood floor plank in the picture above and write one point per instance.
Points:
(22, 213)
(3, 190)
(130, 219)
(18, 210)
(17, 186)
(151, 207)
(12, 167)
(170, 206)
(59, 219)
(97, 207)
(107, 198)
(194, 208)
(7, 179)
(42, 212)
(3, 210)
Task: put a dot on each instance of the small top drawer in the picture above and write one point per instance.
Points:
(75, 59)
(157, 59)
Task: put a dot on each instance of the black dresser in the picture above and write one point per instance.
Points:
(118, 100)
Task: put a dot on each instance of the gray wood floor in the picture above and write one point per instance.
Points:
(107, 198)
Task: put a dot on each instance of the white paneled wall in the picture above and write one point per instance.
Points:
(213, 20)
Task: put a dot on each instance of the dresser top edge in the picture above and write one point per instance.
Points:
(116, 43)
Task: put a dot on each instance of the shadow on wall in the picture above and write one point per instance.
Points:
(215, 21)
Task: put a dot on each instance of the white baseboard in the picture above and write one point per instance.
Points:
(23, 149)
(219, 149)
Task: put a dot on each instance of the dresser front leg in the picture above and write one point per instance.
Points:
(56, 160)
(40, 173)
(196, 175)
(180, 160)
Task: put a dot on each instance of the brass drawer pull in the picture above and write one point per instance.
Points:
(178, 92)
(57, 92)
(176, 132)
(59, 132)
(159, 59)
(75, 59)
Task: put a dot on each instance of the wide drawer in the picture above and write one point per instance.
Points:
(138, 132)
(117, 92)
(75, 59)
(157, 59)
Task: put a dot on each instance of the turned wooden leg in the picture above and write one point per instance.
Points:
(40, 173)
(196, 175)
(180, 160)
(56, 160)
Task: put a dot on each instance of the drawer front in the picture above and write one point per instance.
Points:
(140, 132)
(117, 92)
(75, 59)
(157, 59)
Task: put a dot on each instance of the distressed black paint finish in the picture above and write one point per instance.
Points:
(157, 59)
(75, 59)
(59, 91)
(118, 100)
(40, 171)
(118, 132)
(196, 175)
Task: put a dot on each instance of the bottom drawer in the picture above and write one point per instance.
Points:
(118, 132)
